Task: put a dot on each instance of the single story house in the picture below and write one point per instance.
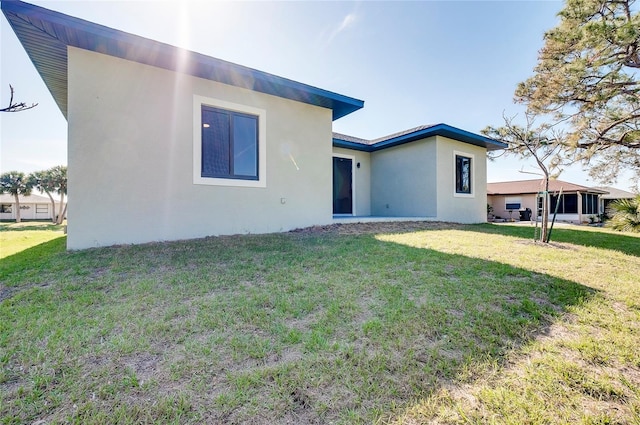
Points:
(32, 207)
(220, 148)
(613, 194)
(577, 204)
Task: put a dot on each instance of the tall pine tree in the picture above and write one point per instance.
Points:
(588, 75)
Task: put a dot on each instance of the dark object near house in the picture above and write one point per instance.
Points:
(525, 215)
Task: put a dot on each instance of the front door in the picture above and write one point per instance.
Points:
(342, 185)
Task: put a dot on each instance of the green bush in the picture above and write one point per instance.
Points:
(625, 215)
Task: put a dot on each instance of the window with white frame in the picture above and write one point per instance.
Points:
(229, 144)
(42, 208)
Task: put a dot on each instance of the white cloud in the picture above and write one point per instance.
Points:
(347, 22)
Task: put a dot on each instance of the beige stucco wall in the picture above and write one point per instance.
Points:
(499, 202)
(454, 207)
(130, 158)
(403, 180)
(417, 179)
(362, 179)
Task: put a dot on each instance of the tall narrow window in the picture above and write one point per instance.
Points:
(463, 174)
(229, 144)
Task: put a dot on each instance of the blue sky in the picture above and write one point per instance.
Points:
(413, 63)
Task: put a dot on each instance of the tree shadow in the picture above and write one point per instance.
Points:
(622, 242)
(30, 262)
(464, 314)
(432, 319)
(390, 323)
(30, 225)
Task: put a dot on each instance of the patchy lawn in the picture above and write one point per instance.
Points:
(413, 323)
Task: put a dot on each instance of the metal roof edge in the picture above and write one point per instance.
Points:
(339, 143)
(434, 130)
(442, 130)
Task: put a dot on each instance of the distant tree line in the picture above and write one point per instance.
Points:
(51, 181)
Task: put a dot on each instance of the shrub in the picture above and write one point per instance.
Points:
(625, 215)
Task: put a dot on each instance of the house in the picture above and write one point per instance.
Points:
(436, 172)
(577, 204)
(167, 144)
(613, 194)
(32, 207)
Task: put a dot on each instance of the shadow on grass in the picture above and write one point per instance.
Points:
(351, 328)
(614, 241)
(29, 225)
(31, 260)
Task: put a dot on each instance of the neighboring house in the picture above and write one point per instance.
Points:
(166, 144)
(32, 207)
(577, 204)
(613, 194)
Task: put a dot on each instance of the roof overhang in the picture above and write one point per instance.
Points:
(46, 34)
(435, 130)
(532, 187)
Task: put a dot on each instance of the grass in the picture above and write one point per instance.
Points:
(16, 237)
(444, 324)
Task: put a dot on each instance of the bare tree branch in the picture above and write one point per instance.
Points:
(16, 107)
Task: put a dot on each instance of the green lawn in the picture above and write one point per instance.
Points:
(16, 237)
(438, 324)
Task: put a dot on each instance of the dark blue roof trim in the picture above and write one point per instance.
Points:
(338, 143)
(435, 130)
(45, 35)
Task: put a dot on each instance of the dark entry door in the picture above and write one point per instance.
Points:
(342, 188)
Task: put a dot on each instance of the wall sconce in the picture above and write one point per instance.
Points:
(358, 165)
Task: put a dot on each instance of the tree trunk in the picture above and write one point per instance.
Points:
(17, 208)
(544, 235)
(62, 211)
(53, 207)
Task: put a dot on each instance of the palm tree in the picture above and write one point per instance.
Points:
(625, 215)
(15, 183)
(53, 180)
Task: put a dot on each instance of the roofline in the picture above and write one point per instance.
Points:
(98, 38)
(489, 192)
(435, 130)
(339, 143)
(579, 188)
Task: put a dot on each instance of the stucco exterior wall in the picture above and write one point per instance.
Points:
(403, 180)
(362, 179)
(130, 158)
(456, 207)
(499, 202)
(30, 211)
